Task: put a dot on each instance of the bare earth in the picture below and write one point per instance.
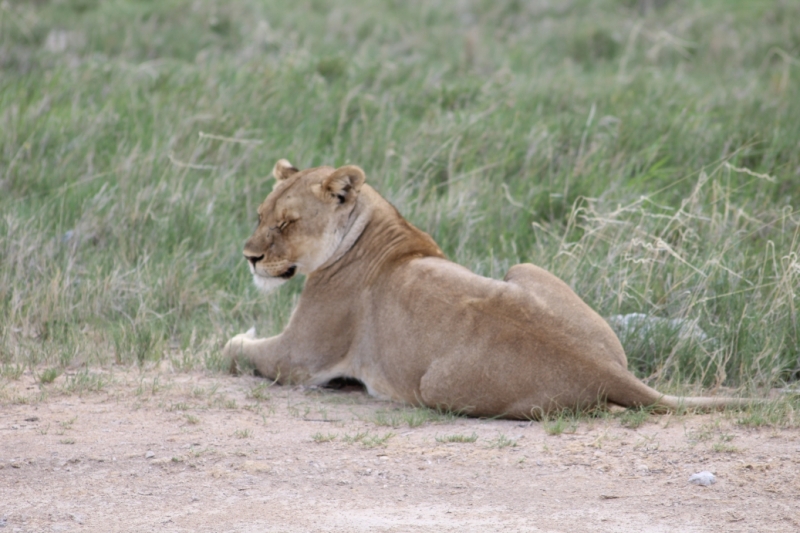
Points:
(162, 451)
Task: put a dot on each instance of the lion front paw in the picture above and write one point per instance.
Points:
(235, 349)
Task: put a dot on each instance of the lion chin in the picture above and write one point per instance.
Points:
(382, 304)
(267, 284)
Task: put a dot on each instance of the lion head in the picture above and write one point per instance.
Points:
(302, 222)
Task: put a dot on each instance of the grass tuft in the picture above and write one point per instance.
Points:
(259, 392)
(502, 442)
(243, 433)
(84, 382)
(49, 375)
(564, 422)
(458, 438)
(12, 371)
(784, 412)
(411, 417)
(319, 437)
(364, 437)
(634, 417)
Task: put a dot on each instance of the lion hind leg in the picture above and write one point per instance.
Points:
(460, 387)
(476, 388)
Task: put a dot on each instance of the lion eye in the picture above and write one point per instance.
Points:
(283, 225)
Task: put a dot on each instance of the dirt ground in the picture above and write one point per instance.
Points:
(198, 452)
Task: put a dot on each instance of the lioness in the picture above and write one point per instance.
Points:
(382, 304)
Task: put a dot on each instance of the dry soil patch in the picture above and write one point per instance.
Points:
(196, 452)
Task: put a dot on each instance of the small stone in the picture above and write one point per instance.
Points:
(703, 478)
(150, 454)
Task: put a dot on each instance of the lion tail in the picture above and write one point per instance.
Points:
(633, 393)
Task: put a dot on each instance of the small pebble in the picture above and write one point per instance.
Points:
(150, 454)
(703, 478)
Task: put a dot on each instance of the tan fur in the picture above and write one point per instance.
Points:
(382, 304)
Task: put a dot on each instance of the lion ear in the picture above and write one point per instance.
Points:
(344, 183)
(283, 169)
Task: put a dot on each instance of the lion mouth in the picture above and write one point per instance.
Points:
(277, 269)
(289, 274)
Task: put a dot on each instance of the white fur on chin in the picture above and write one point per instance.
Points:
(267, 285)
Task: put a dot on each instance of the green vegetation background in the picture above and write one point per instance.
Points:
(647, 152)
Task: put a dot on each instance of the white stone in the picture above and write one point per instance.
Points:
(703, 478)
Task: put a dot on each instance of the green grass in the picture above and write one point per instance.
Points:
(785, 412)
(635, 417)
(243, 433)
(364, 437)
(645, 152)
(67, 424)
(458, 438)
(358, 437)
(375, 441)
(85, 381)
(259, 392)
(411, 417)
(49, 375)
(179, 406)
(502, 442)
(320, 437)
(563, 422)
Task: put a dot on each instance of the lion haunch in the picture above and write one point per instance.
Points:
(381, 304)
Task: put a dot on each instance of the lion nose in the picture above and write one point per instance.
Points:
(253, 258)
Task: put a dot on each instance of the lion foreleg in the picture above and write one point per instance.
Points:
(267, 356)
